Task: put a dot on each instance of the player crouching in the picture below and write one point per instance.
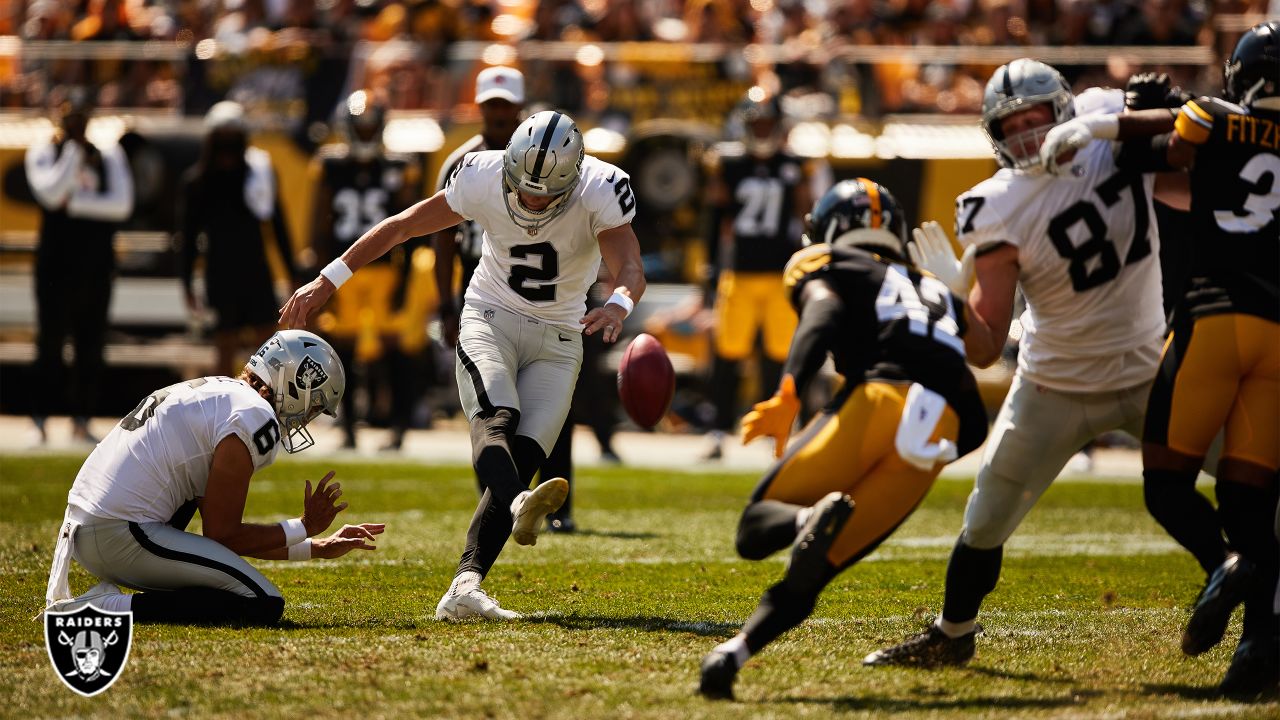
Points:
(909, 406)
(196, 445)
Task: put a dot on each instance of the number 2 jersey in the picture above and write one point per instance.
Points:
(544, 276)
(897, 326)
(1088, 257)
(1235, 208)
(157, 458)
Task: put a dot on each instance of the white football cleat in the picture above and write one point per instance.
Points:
(97, 592)
(531, 507)
(474, 603)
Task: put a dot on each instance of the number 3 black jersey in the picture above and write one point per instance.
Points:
(761, 195)
(896, 326)
(1235, 208)
(359, 195)
(1088, 258)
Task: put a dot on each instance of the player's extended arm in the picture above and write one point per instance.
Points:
(621, 253)
(991, 304)
(222, 507)
(426, 217)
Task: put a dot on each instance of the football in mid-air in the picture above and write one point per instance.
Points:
(646, 380)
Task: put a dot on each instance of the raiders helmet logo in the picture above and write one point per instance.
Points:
(88, 647)
(310, 375)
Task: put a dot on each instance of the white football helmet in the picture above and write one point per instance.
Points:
(544, 158)
(1015, 87)
(306, 378)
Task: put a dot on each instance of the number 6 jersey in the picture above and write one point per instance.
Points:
(1088, 257)
(157, 458)
(545, 276)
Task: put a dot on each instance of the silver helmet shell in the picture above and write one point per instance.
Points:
(306, 378)
(1017, 86)
(544, 159)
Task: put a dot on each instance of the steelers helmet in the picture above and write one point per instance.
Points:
(1016, 87)
(306, 379)
(543, 158)
(363, 122)
(862, 213)
(757, 122)
(1252, 73)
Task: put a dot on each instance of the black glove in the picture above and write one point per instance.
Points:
(1148, 91)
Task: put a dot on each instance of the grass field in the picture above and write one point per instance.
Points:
(1084, 623)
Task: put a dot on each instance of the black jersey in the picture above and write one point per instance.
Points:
(1235, 208)
(359, 195)
(761, 199)
(896, 326)
(469, 235)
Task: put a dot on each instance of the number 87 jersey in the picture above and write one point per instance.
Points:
(1088, 263)
(544, 274)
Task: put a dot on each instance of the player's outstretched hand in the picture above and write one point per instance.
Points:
(606, 320)
(932, 251)
(319, 508)
(773, 417)
(350, 537)
(305, 300)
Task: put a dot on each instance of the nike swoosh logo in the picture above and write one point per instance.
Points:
(563, 338)
(612, 176)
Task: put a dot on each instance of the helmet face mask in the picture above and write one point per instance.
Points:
(862, 213)
(1251, 76)
(1014, 88)
(543, 159)
(306, 379)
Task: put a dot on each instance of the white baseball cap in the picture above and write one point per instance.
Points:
(500, 82)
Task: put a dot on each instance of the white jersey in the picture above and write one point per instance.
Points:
(1088, 253)
(157, 458)
(544, 276)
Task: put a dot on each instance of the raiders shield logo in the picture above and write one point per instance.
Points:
(310, 375)
(88, 647)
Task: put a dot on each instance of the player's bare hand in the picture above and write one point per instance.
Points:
(305, 300)
(319, 508)
(350, 537)
(932, 251)
(606, 320)
(773, 417)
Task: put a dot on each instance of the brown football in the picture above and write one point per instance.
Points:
(646, 380)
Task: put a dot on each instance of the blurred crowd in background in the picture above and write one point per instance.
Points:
(293, 58)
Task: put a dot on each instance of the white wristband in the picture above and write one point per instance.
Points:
(1103, 126)
(294, 531)
(300, 551)
(621, 301)
(337, 272)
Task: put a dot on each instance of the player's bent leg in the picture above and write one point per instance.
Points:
(1246, 495)
(1169, 492)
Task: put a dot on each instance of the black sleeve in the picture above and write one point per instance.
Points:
(189, 225)
(1145, 155)
(821, 317)
(973, 417)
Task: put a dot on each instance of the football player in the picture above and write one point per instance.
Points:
(196, 445)
(500, 97)
(357, 184)
(909, 406)
(756, 191)
(1221, 365)
(1083, 249)
(549, 213)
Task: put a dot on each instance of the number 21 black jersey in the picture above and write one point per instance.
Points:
(761, 193)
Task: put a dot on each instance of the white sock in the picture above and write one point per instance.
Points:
(737, 647)
(519, 502)
(465, 582)
(802, 517)
(954, 630)
(113, 603)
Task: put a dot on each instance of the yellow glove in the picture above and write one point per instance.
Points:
(773, 417)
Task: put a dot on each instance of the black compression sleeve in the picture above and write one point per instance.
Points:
(820, 315)
(1145, 155)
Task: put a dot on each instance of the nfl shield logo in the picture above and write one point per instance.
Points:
(88, 647)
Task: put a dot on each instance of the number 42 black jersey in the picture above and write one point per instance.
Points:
(1235, 208)
(897, 326)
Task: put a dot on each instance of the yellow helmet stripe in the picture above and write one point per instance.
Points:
(873, 192)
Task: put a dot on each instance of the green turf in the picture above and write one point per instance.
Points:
(1084, 624)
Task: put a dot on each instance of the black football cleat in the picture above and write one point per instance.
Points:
(809, 567)
(929, 649)
(1254, 669)
(1224, 590)
(718, 672)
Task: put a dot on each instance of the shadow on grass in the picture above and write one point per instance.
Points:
(615, 534)
(882, 704)
(1186, 692)
(639, 622)
(1026, 676)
